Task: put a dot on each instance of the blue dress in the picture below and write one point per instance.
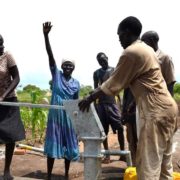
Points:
(61, 140)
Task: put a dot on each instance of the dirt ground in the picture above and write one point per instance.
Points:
(33, 165)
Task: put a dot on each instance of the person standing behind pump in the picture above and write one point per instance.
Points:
(61, 140)
(151, 38)
(139, 70)
(128, 117)
(106, 106)
(11, 126)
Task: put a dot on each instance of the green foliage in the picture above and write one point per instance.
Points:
(30, 88)
(177, 92)
(85, 90)
(39, 115)
(26, 94)
(177, 88)
(34, 119)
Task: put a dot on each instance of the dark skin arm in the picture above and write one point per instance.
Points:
(95, 84)
(85, 103)
(46, 29)
(95, 80)
(15, 80)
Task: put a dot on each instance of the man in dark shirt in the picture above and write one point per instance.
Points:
(106, 106)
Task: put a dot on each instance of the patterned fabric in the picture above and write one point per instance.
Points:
(61, 141)
(6, 61)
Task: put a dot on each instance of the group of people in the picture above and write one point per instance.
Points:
(145, 74)
(141, 70)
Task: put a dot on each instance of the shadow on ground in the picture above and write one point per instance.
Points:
(41, 175)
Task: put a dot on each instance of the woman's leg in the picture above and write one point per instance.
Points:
(67, 165)
(50, 163)
(8, 158)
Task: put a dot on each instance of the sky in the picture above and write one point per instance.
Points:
(81, 29)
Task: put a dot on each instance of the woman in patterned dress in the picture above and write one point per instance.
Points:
(61, 141)
(11, 127)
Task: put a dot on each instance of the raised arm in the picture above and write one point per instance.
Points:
(46, 29)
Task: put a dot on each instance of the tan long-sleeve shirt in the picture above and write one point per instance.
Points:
(167, 66)
(138, 68)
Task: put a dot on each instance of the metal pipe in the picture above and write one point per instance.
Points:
(31, 105)
(23, 146)
(114, 152)
(91, 156)
(118, 152)
(93, 138)
(92, 159)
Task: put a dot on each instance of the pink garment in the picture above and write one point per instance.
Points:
(6, 61)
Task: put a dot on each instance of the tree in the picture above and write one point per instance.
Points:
(177, 88)
(85, 90)
(30, 88)
(177, 92)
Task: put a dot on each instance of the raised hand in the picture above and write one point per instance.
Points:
(47, 27)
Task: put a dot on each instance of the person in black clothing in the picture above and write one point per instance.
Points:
(106, 106)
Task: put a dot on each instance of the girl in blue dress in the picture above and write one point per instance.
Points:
(61, 141)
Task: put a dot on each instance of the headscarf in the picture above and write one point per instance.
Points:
(68, 60)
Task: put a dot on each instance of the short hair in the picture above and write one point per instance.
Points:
(101, 54)
(150, 35)
(132, 24)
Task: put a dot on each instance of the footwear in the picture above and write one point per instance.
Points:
(106, 160)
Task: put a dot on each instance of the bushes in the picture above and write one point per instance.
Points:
(177, 92)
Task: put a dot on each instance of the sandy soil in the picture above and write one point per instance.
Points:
(33, 165)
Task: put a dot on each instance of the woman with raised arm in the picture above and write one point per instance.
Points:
(61, 141)
(11, 127)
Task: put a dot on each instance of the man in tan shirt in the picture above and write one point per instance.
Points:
(138, 69)
(151, 38)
